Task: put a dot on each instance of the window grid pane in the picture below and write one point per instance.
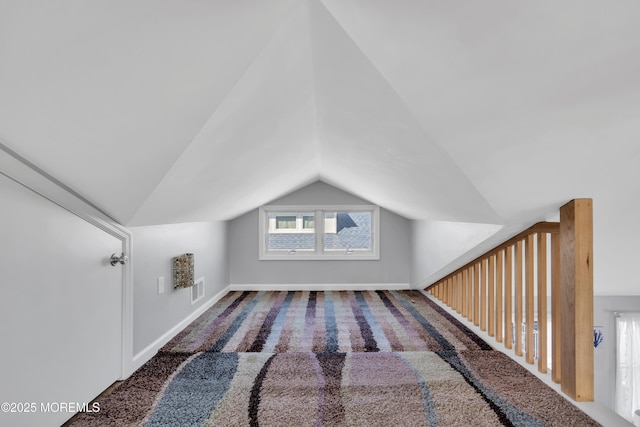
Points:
(290, 241)
(308, 222)
(285, 222)
(291, 232)
(352, 232)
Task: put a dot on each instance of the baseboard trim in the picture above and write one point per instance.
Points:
(149, 351)
(320, 287)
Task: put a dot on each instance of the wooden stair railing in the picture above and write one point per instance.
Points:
(503, 291)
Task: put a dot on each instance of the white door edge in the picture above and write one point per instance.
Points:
(29, 176)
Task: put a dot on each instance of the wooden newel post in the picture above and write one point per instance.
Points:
(576, 295)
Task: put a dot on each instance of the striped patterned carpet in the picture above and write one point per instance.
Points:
(348, 358)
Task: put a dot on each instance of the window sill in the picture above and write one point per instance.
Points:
(322, 257)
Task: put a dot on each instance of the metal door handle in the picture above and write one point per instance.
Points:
(122, 259)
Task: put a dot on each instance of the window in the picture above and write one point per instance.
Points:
(319, 232)
(627, 364)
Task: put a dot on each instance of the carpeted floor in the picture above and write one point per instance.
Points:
(348, 358)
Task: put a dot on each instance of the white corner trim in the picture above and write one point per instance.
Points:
(320, 287)
(149, 351)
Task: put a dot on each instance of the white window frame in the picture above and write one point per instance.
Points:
(318, 253)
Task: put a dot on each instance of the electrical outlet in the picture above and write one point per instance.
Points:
(160, 285)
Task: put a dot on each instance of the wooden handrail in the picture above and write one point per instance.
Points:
(483, 292)
(539, 227)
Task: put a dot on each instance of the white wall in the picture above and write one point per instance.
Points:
(439, 247)
(154, 248)
(391, 268)
(435, 244)
(615, 245)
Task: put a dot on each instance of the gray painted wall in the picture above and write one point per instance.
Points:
(395, 250)
(154, 249)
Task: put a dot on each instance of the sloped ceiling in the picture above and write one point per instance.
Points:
(163, 111)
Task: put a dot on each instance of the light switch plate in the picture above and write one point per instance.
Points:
(160, 285)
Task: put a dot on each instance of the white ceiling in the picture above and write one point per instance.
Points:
(164, 111)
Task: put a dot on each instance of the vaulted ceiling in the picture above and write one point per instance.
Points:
(164, 111)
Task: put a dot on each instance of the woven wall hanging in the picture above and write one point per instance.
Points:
(183, 271)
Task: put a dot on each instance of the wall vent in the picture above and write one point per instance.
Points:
(197, 290)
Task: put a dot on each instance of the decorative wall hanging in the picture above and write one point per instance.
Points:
(183, 271)
(598, 335)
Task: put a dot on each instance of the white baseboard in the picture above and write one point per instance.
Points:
(149, 351)
(320, 287)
